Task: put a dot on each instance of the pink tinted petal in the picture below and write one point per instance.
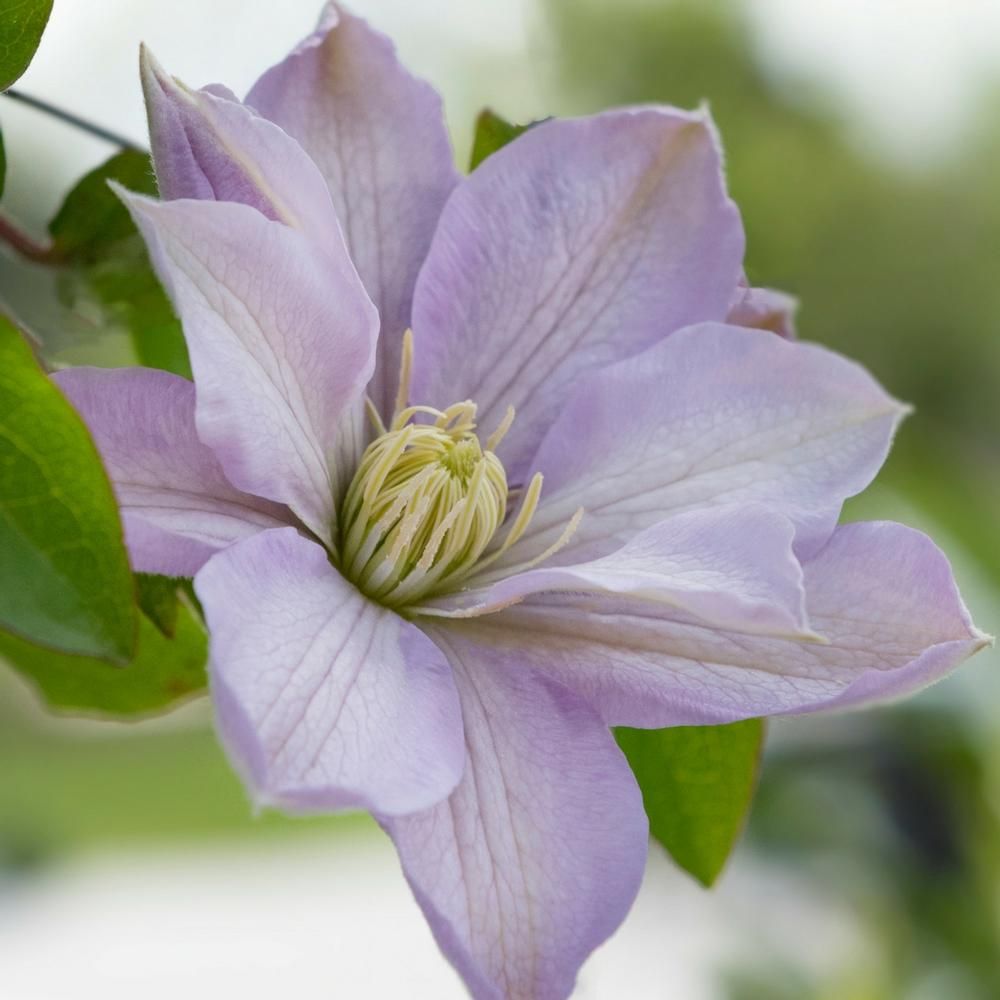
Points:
(325, 700)
(580, 243)
(213, 148)
(713, 415)
(536, 857)
(764, 309)
(282, 340)
(215, 89)
(881, 594)
(378, 136)
(177, 506)
(732, 567)
(885, 596)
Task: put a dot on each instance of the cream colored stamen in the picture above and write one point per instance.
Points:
(427, 500)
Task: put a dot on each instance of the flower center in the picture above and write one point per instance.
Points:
(425, 502)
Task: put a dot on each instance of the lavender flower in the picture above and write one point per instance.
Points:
(437, 566)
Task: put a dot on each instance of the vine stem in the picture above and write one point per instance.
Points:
(10, 232)
(27, 246)
(75, 120)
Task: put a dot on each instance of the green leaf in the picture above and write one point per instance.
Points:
(158, 599)
(697, 784)
(105, 268)
(92, 217)
(21, 25)
(492, 133)
(64, 575)
(163, 672)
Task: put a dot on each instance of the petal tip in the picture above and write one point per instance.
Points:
(137, 204)
(981, 640)
(153, 75)
(902, 409)
(157, 83)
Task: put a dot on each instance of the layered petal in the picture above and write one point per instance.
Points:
(713, 415)
(536, 857)
(378, 136)
(731, 567)
(324, 699)
(281, 337)
(577, 245)
(211, 147)
(764, 309)
(881, 595)
(177, 506)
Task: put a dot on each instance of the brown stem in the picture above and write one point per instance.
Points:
(27, 246)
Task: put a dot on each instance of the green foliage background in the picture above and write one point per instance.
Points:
(897, 266)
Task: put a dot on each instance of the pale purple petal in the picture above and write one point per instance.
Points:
(577, 245)
(378, 136)
(536, 857)
(881, 594)
(213, 148)
(281, 338)
(713, 415)
(731, 567)
(764, 309)
(177, 506)
(325, 700)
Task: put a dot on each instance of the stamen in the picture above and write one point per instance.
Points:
(528, 506)
(475, 486)
(373, 416)
(560, 543)
(501, 432)
(459, 418)
(403, 417)
(430, 553)
(405, 373)
(427, 500)
(385, 464)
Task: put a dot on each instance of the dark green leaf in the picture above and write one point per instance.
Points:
(64, 574)
(158, 598)
(122, 290)
(92, 217)
(21, 25)
(105, 267)
(697, 783)
(164, 671)
(492, 133)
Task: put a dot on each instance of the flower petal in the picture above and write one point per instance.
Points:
(378, 136)
(713, 415)
(764, 309)
(213, 148)
(881, 594)
(281, 338)
(536, 857)
(578, 244)
(324, 699)
(177, 506)
(731, 567)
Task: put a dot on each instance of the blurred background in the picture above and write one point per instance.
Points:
(862, 138)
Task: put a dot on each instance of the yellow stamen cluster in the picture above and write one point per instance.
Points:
(426, 501)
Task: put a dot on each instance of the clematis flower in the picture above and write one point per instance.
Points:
(437, 566)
